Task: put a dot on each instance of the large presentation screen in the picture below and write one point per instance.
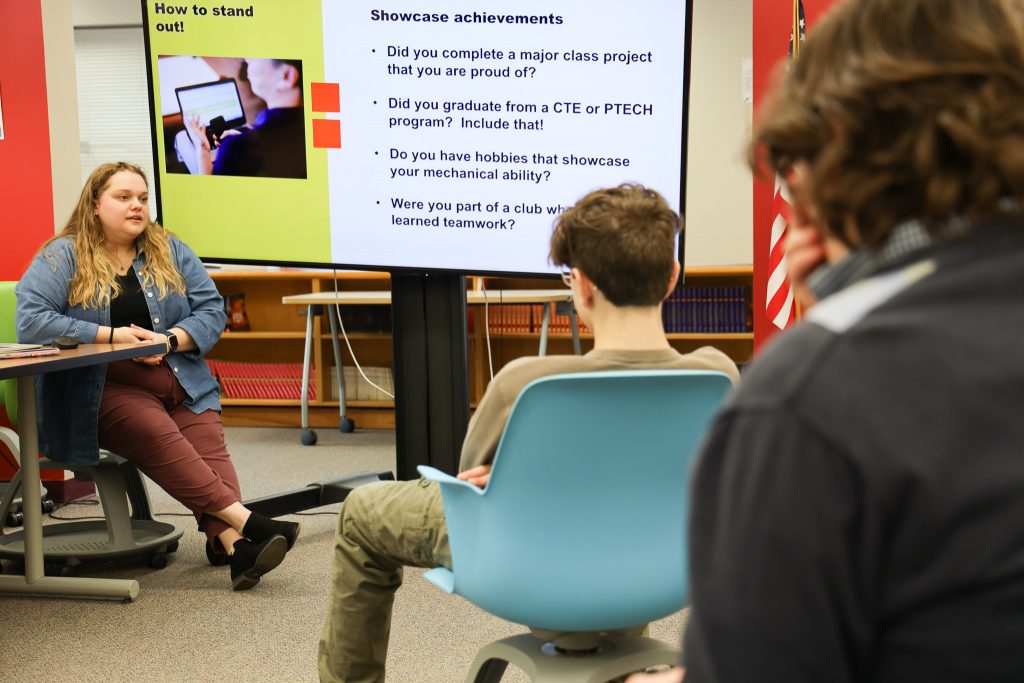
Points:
(408, 135)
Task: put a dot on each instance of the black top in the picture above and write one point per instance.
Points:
(858, 509)
(130, 307)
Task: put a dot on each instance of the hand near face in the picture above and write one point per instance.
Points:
(806, 247)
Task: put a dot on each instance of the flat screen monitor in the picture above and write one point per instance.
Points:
(411, 136)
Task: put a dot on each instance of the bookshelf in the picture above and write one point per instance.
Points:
(277, 334)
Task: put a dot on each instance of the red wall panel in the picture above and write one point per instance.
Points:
(773, 21)
(26, 196)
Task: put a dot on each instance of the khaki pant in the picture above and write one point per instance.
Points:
(382, 527)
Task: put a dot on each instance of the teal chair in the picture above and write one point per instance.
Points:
(580, 532)
(128, 527)
(9, 389)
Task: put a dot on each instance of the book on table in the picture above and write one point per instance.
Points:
(10, 350)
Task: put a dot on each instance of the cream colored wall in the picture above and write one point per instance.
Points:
(719, 192)
(62, 102)
(108, 13)
(719, 197)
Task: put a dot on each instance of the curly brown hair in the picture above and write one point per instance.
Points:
(902, 109)
(624, 239)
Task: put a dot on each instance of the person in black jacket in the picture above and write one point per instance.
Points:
(275, 145)
(858, 506)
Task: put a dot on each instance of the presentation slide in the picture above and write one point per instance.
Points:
(408, 135)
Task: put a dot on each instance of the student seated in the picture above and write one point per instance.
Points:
(617, 247)
(858, 508)
(114, 276)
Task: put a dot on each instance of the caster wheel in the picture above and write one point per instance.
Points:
(308, 437)
(157, 561)
(15, 519)
(48, 506)
(346, 426)
(172, 547)
(68, 570)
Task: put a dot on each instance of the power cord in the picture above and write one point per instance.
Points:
(344, 334)
(487, 325)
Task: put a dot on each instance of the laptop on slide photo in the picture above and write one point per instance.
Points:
(217, 103)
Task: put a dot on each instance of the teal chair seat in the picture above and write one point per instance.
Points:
(580, 532)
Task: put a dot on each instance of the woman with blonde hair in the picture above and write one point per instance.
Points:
(114, 276)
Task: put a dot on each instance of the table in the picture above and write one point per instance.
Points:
(25, 370)
(474, 298)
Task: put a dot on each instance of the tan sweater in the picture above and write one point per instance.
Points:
(489, 420)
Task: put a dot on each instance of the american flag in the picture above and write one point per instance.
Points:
(779, 297)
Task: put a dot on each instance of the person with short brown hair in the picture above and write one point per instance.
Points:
(858, 506)
(623, 238)
(388, 525)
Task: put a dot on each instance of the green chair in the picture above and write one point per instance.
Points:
(580, 532)
(128, 527)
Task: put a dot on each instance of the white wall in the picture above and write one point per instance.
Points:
(62, 103)
(108, 12)
(719, 196)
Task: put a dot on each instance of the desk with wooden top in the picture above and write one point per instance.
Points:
(315, 300)
(25, 371)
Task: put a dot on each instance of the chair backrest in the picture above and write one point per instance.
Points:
(582, 525)
(8, 387)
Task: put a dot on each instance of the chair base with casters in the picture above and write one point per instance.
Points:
(608, 657)
(122, 533)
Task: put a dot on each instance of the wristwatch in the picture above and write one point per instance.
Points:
(172, 342)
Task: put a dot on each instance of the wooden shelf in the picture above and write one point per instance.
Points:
(296, 274)
(242, 336)
(260, 402)
(676, 336)
(271, 322)
(378, 336)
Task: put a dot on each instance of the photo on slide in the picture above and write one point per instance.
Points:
(233, 116)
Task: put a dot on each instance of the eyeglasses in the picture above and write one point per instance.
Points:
(567, 278)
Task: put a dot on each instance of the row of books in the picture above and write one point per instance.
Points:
(261, 380)
(528, 319)
(359, 389)
(708, 310)
(366, 318)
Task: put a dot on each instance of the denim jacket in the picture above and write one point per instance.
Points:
(68, 402)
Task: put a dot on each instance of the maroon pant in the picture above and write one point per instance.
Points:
(144, 420)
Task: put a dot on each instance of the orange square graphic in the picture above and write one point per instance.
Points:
(325, 96)
(326, 133)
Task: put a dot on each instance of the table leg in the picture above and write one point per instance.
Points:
(337, 359)
(574, 323)
(545, 320)
(307, 360)
(34, 580)
(344, 424)
(31, 502)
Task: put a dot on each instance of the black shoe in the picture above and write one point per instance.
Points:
(258, 528)
(216, 555)
(250, 561)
